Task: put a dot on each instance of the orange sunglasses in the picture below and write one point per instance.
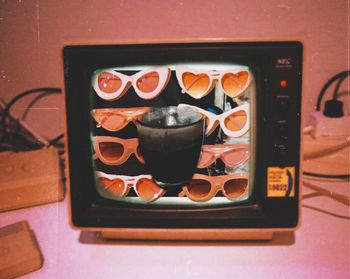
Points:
(115, 151)
(115, 119)
(232, 155)
(234, 122)
(202, 187)
(198, 83)
(120, 185)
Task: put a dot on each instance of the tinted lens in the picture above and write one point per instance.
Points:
(205, 160)
(236, 121)
(236, 157)
(109, 83)
(233, 84)
(148, 190)
(196, 85)
(113, 122)
(111, 151)
(148, 82)
(235, 188)
(116, 187)
(198, 188)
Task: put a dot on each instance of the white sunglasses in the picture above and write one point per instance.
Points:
(112, 85)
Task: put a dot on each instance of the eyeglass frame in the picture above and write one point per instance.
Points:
(128, 81)
(130, 182)
(214, 119)
(218, 150)
(129, 115)
(216, 187)
(214, 75)
(130, 147)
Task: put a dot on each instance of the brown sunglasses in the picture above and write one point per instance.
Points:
(115, 151)
(203, 187)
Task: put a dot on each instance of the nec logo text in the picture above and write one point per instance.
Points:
(284, 61)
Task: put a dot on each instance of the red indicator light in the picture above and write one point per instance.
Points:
(283, 83)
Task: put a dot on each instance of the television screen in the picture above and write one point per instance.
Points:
(222, 94)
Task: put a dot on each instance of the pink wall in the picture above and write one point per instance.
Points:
(32, 33)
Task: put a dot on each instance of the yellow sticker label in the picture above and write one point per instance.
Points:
(280, 182)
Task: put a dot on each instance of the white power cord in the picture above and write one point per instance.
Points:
(344, 199)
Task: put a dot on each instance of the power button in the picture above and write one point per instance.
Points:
(281, 152)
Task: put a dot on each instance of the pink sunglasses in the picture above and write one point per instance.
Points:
(232, 155)
(198, 83)
(148, 84)
(234, 123)
(120, 185)
(115, 151)
(115, 119)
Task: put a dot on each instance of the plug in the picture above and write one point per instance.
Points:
(333, 108)
(324, 126)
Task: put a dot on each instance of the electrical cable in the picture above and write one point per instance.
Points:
(344, 199)
(326, 212)
(340, 81)
(332, 110)
(340, 75)
(331, 176)
(319, 191)
(56, 139)
(32, 102)
(18, 141)
(21, 95)
(327, 150)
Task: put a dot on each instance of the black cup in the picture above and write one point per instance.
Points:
(170, 140)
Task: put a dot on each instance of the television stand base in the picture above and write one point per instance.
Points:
(187, 234)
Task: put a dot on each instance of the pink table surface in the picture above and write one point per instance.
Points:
(319, 249)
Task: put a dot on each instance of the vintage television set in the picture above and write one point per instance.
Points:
(246, 182)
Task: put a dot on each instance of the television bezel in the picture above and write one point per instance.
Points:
(81, 60)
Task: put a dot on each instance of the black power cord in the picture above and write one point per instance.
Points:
(333, 107)
(340, 81)
(331, 176)
(15, 140)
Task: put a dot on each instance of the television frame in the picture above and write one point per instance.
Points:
(273, 61)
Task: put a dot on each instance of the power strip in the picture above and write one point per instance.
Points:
(327, 145)
(30, 178)
(323, 126)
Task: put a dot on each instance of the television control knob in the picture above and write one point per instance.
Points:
(282, 106)
(281, 133)
(281, 150)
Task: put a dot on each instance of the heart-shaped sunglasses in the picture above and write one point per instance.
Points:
(234, 122)
(198, 83)
(112, 85)
(120, 185)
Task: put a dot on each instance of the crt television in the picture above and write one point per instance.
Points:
(246, 182)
